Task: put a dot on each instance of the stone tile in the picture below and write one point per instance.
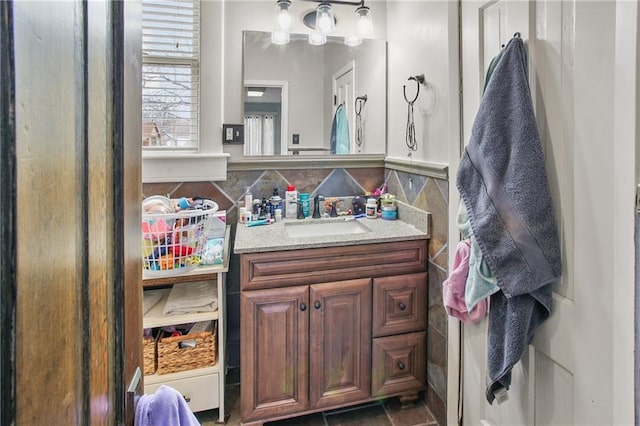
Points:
(441, 257)
(149, 189)
(368, 178)
(410, 416)
(443, 185)
(436, 312)
(264, 186)
(431, 200)
(437, 362)
(413, 185)
(233, 316)
(436, 405)
(395, 188)
(237, 181)
(365, 415)
(305, 180)
(204, 190)
(338, 184)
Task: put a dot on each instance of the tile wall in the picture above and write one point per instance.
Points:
(423, 192)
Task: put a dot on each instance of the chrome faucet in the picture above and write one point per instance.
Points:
(316, 206)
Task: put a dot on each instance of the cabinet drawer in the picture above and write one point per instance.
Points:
(312, 266)
(398, 363)
(399, 304)
(201, 392)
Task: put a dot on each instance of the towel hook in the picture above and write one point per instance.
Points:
(419, 79)
(360, 101)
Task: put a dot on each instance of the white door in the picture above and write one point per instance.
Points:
(565, 378)
(344, 93)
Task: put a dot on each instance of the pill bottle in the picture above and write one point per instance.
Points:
(371, 208)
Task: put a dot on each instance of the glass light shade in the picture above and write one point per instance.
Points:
(365, 24)
(317, 38)
(324, 18)
(279, 37)
(352, 40)
(284, 21)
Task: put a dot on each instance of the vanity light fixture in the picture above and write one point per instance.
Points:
(323, 21)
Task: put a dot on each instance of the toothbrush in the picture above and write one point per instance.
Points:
(358, 216)
(259, 222)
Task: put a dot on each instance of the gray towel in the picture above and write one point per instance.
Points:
(503, 182)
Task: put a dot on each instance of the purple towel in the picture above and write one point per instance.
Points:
(166, 407)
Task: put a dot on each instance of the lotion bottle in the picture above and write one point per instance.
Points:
(291, 202)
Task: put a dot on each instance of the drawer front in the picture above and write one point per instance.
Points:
(201, 392)
(312, 266)
(398, 364)
(399, 304)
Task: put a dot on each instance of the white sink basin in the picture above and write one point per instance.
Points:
(320, 229)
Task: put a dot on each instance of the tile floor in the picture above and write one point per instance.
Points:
(380, 413)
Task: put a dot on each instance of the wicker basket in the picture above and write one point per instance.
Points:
(172, 358)
(173, 243)
(149, 355)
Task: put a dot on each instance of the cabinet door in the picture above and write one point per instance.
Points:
(274, 332)
(340, 342)
(399, 304)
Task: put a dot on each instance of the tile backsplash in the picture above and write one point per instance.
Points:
(422, 192)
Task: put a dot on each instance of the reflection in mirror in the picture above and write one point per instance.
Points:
(301, 99)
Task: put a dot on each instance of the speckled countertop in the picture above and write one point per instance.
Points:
(414, 225)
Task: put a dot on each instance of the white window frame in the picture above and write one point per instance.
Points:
(207, 162)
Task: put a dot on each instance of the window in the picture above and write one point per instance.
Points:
(170, 74)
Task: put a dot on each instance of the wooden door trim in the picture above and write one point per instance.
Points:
(7, 217)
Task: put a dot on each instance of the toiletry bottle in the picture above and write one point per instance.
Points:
(291, 202)
(372, 208)
(276, 202)
(248, 198)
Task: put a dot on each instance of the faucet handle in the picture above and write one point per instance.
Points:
(334, 211)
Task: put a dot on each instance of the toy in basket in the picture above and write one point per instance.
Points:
(174, 234)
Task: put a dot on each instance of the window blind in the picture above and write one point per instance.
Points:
(170, 74)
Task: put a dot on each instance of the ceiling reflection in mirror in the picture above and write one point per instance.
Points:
(301, 99)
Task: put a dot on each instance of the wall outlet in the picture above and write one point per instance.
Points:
(233, 133)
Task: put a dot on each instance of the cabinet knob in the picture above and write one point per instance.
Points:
(317, 305)
(303, 307)
(402, 306)
(401, 366)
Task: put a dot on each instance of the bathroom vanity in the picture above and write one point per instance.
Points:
(329, 321)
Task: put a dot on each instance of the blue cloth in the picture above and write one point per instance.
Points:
(340, 132)
(481, 283)
(503, 182)
(166, 407)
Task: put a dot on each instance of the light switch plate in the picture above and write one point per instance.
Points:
(233, 133)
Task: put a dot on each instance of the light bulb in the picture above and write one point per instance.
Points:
(284, 20)
(365, 25)
(324, 18)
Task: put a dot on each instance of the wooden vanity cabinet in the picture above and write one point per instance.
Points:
(310, 320)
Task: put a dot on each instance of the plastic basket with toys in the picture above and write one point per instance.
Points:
(174, 234)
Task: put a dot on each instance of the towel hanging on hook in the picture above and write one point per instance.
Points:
(411, 128)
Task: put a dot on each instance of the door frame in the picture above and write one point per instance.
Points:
(348, 67)
(284, 108)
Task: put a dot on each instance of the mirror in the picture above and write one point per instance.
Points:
(301, 99)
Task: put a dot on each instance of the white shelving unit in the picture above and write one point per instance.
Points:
(202, 388)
